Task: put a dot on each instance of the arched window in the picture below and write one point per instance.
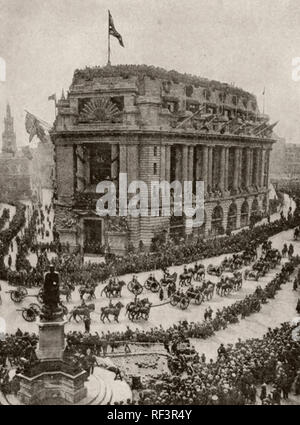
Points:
(232, 217)
(254, 206)
(217, 221)
(244, 214)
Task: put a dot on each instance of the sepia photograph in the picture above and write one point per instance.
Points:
(149, 205)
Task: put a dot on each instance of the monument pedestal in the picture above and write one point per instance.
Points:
(51, 341)
(52, 378)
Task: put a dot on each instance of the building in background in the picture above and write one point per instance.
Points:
(278, 159)
(285, 160)
(157, 125)
(292, 160)
(15, 166)
(24, 172)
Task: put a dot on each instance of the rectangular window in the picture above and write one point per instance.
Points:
(155, 168)
(155, 151)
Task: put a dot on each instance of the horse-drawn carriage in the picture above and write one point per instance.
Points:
(262, 266)
(195, 294)
(229, 282)
(168, 279)
(138, 309)
(181, 299)
(251, 274)
(273, 257)
(134, 286)
(214, 270)
(17, 295)
(31, 312)
(152, 284)
(232, 264)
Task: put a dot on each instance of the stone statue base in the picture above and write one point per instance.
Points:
(52, 385)
(51, 341)
(51, 377)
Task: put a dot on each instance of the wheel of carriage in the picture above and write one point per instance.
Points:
(147, 285)
(35, 307)
(16, 296)
(29, 314)
(155, 287)
(129, 286)
(184, 303)
(173, 301)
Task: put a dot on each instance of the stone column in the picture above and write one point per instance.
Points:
(178, 159)
(205, 167)
(114, 164)
(222, 169)
(185, 162)
(248, 164)
(262, 171)
(236, 169)
(257, 168)
(209, 171)
(168, 163)
(191, 164)
(251, 167)
(198, 163)
(241, 171)
(162, 162)
(267, 167)
(226, 169)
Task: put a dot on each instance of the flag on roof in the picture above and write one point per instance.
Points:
(112, 29)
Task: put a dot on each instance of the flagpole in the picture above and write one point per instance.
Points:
(108, 41)
(264, 100)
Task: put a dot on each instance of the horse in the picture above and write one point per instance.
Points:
(186, 278)
(81, 311)
(208, 290)
(111, 311)
(67, 290)
(90, 290)
(113, 289)
(138, 308)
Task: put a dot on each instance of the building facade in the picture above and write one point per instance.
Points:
(157, 125)
(292, 160)
(15, 165)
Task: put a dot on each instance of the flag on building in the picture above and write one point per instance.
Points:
(52, 97)
(112, 29)
(34, 127)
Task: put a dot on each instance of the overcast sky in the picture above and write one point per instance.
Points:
(250, 43)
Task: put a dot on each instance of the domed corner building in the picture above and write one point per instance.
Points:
(156, 125)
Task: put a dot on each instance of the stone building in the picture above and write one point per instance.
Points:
(292, 160)
(157, 125)
(15, 165)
